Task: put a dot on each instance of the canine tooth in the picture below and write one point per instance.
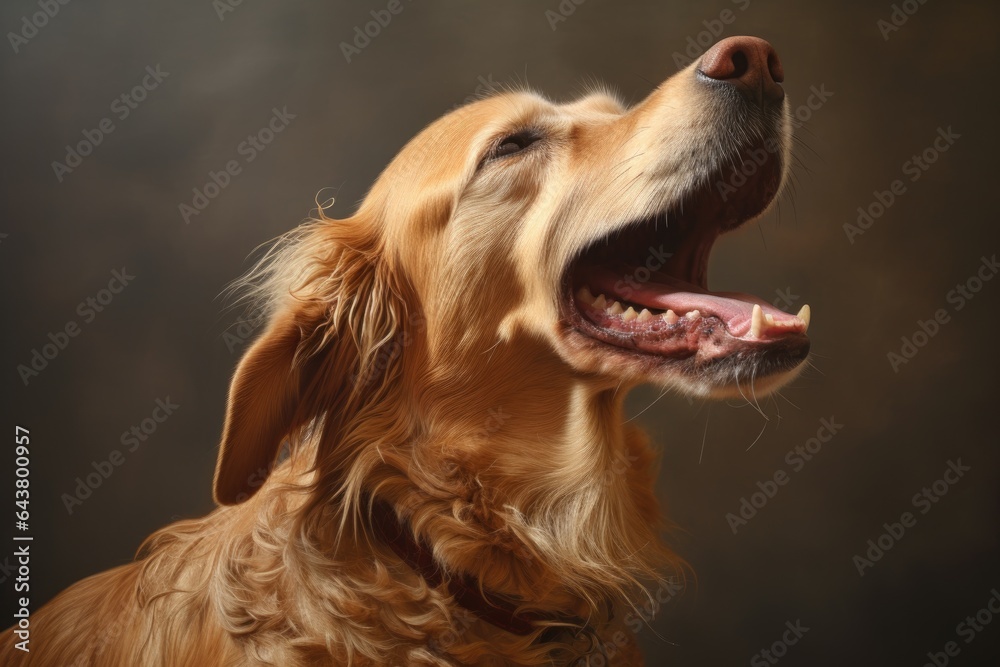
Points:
(630, 314)
(693, 314)
(805, 314)
(645, 315)
(614, 309)
(583, 294)
(757, 321)
(600, 302)
(670, 317)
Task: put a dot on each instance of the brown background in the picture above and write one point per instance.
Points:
(163, 335)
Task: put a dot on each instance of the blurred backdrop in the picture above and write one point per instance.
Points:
(114, 336)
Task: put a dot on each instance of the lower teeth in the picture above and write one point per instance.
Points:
(614, 308)
(760, 321)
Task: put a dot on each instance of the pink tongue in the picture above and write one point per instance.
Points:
(733, 308)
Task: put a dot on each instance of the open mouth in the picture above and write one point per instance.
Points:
(644, 290)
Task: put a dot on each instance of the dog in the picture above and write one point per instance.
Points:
(425, 458)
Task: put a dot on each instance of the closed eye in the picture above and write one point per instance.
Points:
(511, 144)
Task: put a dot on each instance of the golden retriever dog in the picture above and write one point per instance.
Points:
(426, 459)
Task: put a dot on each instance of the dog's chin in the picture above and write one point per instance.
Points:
(635, 304)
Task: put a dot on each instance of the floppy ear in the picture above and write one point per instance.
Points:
(263, 401)
(333, 349)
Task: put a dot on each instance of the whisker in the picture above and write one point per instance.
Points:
(704, 436)
(763, 428)
(655, 401)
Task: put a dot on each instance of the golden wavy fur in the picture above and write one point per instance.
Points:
(415, 352)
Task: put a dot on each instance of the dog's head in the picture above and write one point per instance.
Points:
(580, 230)
(590, 225)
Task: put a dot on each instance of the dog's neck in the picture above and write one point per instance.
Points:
(465, 590)
(528, 480)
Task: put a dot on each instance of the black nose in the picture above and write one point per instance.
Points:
(750, 63)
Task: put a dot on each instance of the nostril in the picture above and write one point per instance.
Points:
(740, 65)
